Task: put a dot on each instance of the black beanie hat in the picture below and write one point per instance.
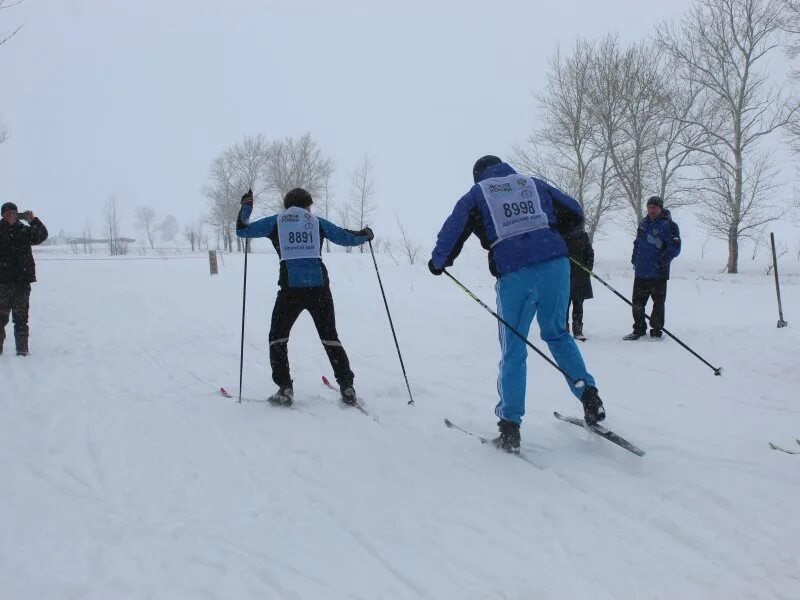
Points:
(297, 197)
(6, 207)
(482, 164)
(655, 201)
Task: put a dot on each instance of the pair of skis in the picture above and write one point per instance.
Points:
(325, 381)
(780, 449)
(599, 430)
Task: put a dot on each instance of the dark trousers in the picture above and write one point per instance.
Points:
(643, 290)
(577, 316)
(288, 306)
(15, 301)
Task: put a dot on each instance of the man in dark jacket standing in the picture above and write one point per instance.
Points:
(17, 271)
(580, 249)
(657, 242)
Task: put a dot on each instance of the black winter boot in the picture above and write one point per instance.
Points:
(593, 411)
(283, 397)
(633, 336)
(509, 438)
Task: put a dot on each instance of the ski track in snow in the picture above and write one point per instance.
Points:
(125, 474)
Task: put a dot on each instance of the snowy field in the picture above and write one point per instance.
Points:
(123, 474)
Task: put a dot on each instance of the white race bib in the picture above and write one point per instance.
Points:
(298, 234)
(514, 205)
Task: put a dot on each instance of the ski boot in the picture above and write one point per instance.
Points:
(633, 336)
(577, 332)
(509, 438)
(348, 395)
(593, 411)
(655, 334)
(283, 397)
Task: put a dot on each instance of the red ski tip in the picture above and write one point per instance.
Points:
(224, 392)
(326, 382)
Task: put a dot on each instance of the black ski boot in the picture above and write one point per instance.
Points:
(348, 395)
(593, 411)
(633, 336)
(508, 439)
(655, 334)
(577, 332)
(283, 397)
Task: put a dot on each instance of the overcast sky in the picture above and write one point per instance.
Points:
(137, 98)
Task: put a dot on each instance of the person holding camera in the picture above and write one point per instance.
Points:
(17, 270)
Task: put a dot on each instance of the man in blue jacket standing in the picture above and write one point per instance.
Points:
(520, 220)
(658, 241)
(297, 236)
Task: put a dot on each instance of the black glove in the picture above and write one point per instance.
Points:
(26, 216)
(432, 268)
(367, 232)
(248, 198)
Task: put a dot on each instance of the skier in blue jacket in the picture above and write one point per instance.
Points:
(520, 221)
(297, 235)
(658, 241)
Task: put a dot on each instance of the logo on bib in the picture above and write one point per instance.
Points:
(501, 188)
(522, 182)
(290, 218)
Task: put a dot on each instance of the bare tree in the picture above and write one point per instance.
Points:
(111, 221)
(345, 220)
(362, 193)
(4, 37)
(721, 46)
(193, 234)
(168, 228)
(324, 205)
(296, 163)
(146, 219)
(564, 149)
(627, 106)
(223, 193)
(410, 249)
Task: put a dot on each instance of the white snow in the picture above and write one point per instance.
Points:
(123, 474)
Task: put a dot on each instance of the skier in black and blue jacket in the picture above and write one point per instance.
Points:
(297, 235)
(520, 220)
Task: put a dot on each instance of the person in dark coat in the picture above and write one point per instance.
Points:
(580, 249)
(17, 271)
(657, 243)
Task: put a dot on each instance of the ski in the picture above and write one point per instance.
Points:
(358, 406)
(602, 432)
(452, 425)
(776, 447)
(223, 392)
(488, 442)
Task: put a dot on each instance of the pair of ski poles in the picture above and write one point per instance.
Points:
(385, 303)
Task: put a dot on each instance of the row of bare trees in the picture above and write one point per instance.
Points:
(271, 169)
(683, 115)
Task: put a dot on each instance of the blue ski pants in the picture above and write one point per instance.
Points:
(540, 291)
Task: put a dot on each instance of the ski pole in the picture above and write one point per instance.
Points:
(781, 322)
(391, 324)
(578, 383)
(717, 370)
(244, 299)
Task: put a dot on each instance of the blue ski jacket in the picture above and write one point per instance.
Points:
(472, 215)
(302, 272)
(657, 242)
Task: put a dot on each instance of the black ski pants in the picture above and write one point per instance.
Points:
(15, 302)
(288, 306)
(643, 290)
(577, 316)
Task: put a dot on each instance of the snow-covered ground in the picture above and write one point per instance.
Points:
(123, 474)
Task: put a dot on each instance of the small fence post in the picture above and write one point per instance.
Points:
(212, 261)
